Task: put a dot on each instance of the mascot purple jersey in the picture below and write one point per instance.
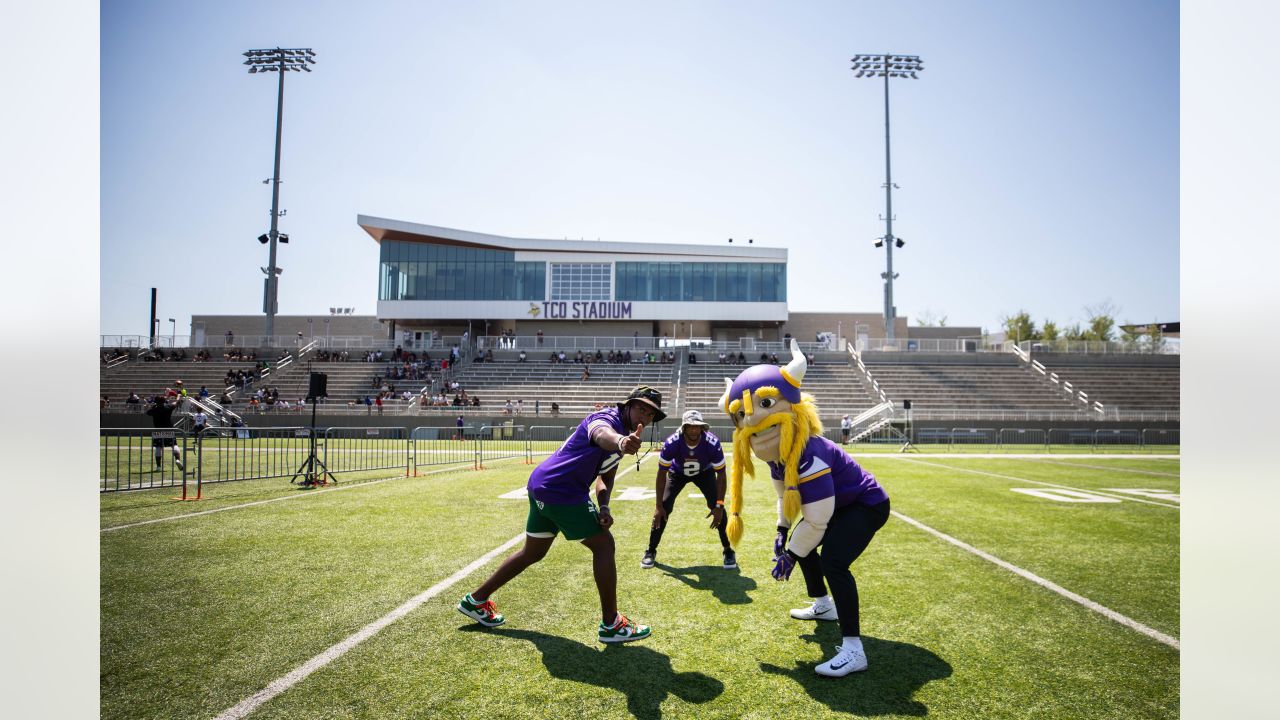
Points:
(684, 461)
(565, 478)
(827, 471)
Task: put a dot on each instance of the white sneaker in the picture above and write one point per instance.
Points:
(816, 611)
(847, 660)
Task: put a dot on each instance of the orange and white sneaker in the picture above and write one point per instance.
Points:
(484, 613)
(623, 630)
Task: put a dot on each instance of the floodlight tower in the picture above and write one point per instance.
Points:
(888, 66)
(277, 60)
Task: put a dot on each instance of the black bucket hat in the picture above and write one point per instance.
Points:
(648, 396)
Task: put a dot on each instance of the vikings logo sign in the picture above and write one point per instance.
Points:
(773, 421)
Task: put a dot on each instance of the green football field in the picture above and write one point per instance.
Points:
(1002, 587)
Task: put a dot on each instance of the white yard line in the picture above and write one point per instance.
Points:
(293, 677)
(1047, 484)
(1086, 602)
(279, 685)
(1117, 469)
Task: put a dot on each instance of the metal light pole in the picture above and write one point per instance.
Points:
(173, 332)
(888, 66)
(281, 61)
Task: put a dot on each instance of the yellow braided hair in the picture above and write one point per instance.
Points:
(794, 437)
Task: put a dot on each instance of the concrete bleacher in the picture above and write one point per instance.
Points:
(1122, 383)
(963, 382)
(544, 383)
(837, 386)
(149, 379)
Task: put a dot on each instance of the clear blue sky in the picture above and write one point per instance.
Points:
(1037, 154)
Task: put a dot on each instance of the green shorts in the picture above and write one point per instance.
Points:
(577, 522)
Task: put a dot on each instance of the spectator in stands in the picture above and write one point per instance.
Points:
(519, 405)
(626, 356)
(599, 356)
(199, 422)
(508, 408)
(231, 339)
(764, 358)
(555, 409)
(475, 401)
(133, 399)
(461, 424)
(368, 405)
(225, 399)
(105, 402)
(578, 358)
(586, 373)
(204, 393)
(722, 358)
(181, 391)
(561, 357)
(693, 359)
(773, 358)
(742, 358)
(378, 402)
(521, 357)
(488, 355)
(846, 426)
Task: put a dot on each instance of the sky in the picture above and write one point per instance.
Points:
(1037, 154)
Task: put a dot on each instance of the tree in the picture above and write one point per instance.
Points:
(1020, 327)
(1101, 321)
(929, 319)
(1050, 331)
(1073, 332)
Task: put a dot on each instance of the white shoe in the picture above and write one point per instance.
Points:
(815, 611)
(847, 660)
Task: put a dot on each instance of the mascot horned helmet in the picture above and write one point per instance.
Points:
(773, 421)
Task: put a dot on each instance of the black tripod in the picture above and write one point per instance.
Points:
(314, 477)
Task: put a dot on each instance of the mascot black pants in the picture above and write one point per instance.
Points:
(848, 534)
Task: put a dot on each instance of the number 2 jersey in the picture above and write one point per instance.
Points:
(829, 479)
(565, 478)
(690, 462)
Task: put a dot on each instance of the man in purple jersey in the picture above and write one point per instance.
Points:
(833, 502)
(559, 502)
(692, 455)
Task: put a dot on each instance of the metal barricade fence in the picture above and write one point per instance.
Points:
(140, 458)
(1071, 436)
(358, 449)
(250, 453)
(973, 436)
(441, 446)
(496, 442)
(1160, 436)
(542, 440)
(1023, 436)
(1113, 437)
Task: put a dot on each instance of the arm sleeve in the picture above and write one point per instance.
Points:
(778, 487)
(717, 457)
(812, 526)
(664, 456)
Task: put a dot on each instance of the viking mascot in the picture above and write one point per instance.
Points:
(827, 503)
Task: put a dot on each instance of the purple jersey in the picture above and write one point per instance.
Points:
(826, 471)
(565, 478)
(690, 462)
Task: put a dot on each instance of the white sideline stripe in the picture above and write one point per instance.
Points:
(1100, 609)
(279, 685)
(1047, 484)
(279, 499)
(1100, 467)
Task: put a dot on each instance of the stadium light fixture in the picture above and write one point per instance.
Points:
(888, 66)
(277, 60)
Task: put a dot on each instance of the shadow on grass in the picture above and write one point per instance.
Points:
(643, 675)
(895, 672)
(728, 586)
